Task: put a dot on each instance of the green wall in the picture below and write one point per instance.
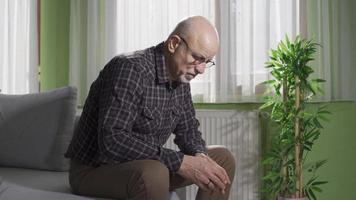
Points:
(336, 144)
(54, 62)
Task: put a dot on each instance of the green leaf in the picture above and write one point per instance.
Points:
(320, 80)
(268, 82)
(324, 112)
(317, 123)
(319, 182)
(268, 160)
(312, 195)
(316, 189)
(311, 181)
(307, 193)
(324, 118)
(266, 105)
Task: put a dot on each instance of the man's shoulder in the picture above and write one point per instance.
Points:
(142, 58)
(141, 62)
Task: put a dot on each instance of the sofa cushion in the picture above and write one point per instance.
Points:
(37, 179)
(35, 129)
(12, 191)
(47, 183)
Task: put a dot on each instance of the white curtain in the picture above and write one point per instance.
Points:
(92, 41)
(332, 24)
(248, 29)
(18, 46)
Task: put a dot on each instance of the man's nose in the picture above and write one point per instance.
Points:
(199, 69)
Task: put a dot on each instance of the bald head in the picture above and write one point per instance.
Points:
(199, 33)
(192, 44)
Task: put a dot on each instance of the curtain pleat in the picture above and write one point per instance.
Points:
(331, 24)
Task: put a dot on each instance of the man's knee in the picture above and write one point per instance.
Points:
(222, 156)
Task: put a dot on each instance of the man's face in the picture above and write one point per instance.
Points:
(189, 62)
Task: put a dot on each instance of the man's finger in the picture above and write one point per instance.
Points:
(221, 173)
(216, 181)
(226, 175)
(203, 186)
(200, 177)
(211, 186)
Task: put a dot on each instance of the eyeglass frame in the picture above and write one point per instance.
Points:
(208, 63)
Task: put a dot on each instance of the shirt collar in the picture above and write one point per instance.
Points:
(161, 67)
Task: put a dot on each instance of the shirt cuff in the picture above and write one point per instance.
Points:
(172, 159)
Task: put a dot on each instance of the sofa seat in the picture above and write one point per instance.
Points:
(38, 182)
(31, 184)
(37, 179)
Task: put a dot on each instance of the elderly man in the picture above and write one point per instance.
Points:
(133, 106)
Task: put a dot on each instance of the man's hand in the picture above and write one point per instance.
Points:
(204, 172)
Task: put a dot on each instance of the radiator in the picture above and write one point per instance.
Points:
(239, 131)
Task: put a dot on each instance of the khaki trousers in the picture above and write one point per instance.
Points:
(141, 179)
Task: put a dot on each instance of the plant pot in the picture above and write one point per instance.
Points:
(286, 198)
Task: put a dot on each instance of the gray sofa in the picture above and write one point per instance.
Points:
(35, 131)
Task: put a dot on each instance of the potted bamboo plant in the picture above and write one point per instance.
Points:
(298, 124)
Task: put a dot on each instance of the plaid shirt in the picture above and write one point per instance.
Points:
(131, 110)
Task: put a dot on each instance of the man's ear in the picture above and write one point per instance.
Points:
(173, 43)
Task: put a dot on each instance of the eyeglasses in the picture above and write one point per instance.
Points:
(198, 59)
